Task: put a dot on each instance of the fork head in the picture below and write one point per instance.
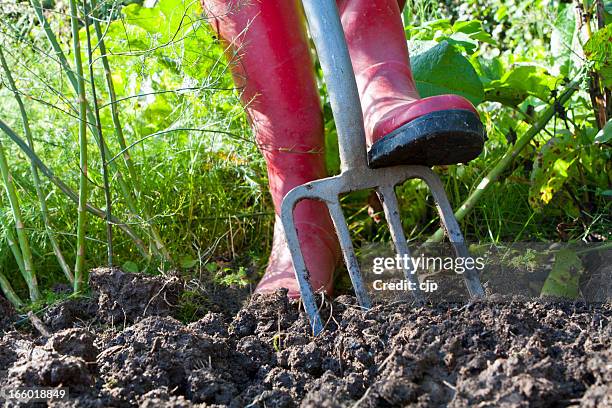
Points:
(383, 181)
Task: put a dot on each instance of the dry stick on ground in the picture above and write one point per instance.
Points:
(38, 324)
(35, 176)
(24, 245)
(79, 267)
(63, 187)
(107, 191)
(512, 152)
(123, 187)
(157, 240)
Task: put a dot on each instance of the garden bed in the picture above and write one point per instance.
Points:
(124, 347)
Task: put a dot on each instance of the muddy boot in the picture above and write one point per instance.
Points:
(271, 64)
(402, 128)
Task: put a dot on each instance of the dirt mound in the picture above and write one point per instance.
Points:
(70, 313)
(125, 297)
(494, 353)
(511, 353)
(161, 352)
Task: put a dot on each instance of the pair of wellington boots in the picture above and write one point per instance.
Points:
(271, 63)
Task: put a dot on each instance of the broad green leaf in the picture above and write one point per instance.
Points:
(563, 279)
(187, 262)
(518, 84)
(599, 51)
(440, 24)
(468, 27)
(461, 41)
(487, 69)
(605, 134)
(150, 19)
(474, 30)
(130, 267)
(444, 70)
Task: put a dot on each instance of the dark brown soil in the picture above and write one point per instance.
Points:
(7, 314)
(499, 352)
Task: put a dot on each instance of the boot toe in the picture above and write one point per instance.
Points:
(319, 250)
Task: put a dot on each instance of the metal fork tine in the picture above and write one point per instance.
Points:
(299, 265)
(470, 276)
(388, 199)
(348, 252)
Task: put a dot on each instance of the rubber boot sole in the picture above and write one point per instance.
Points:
(438, 138)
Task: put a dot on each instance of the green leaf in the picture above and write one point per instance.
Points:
(562, 281)
(515, 86)
(444, 70)
(488, 69)
(599, 51)
(187, 262)
(130, 267)
(474, 30)
(605, 134)
(551, 169)
(467, 27)
(150, 19)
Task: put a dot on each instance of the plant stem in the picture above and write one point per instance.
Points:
(64, 188)
(37, 184)
(8, 291)
(24, 245)
(512, 152)
(107, 191)
(79, 278)
(14, 246)
(159, 246)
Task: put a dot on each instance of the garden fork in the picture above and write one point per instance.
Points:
(326, 31)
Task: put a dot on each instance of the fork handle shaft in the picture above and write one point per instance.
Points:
(328, 36)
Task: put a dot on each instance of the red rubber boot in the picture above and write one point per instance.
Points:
(400, 127)
(270, 61)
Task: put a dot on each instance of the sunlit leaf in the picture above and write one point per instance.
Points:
(444, 70)
(605, 134)
(551, 169)
(516, 85)
(599, 51)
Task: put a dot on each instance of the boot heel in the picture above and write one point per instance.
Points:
(438, 138)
